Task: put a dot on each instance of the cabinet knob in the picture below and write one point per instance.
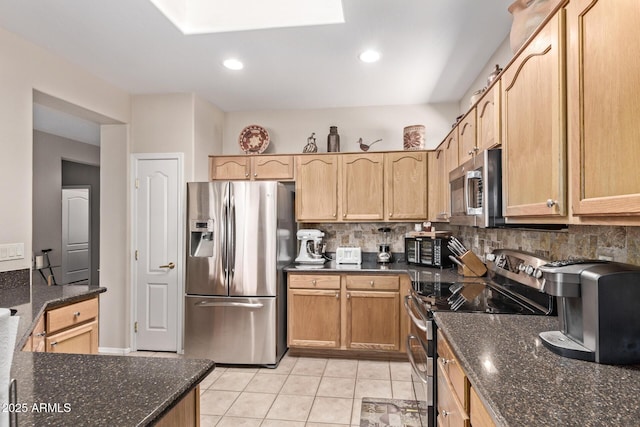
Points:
(335, 215)
(444, 413)
(76, 314)
(390, 214)
(255, 174)
(55, 343)
(445, 361)
(551, 203)
(372, 283)
(348, 295)
(344, 215)
(313, 282)
(337, 295)
(470, 152)
(41, 334)
(246, 175)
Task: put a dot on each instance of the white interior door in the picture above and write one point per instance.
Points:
(75, 235)
(157, 234)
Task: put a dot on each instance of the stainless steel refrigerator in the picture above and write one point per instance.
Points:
(240, 237)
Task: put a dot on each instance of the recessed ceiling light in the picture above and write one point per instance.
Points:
(369, 56)
(233, 64)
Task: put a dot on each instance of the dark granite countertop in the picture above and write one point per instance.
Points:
(97, 390)
(101, 390)
(523, 383)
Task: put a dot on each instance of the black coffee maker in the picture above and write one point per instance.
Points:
(597, 310)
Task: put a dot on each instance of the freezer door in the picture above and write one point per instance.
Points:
(231, 330)
(206, 236)
(253, 238)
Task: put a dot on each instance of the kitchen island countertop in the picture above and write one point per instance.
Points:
(524, 384)
(98, 390)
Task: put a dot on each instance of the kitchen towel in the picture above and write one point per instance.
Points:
(8, 332)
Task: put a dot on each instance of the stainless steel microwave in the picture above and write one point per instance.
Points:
(476, 191)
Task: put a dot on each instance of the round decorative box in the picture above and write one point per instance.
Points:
(414, 137)
(253, 139)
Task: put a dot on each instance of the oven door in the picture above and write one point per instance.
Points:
(418, 351)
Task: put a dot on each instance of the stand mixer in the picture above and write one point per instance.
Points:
(311, 247)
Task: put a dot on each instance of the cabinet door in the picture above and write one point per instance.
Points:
(533, 143)
(478, 413)
(272, 168)
(467, 137)
(229, 167)
(604, 107)
(81, 339)
(362, 187)
(450, 163)
(436, 196)
(373, 320)
(317, 188)
(488, 118)
(406, 185)
(313, 318)
(450, 411)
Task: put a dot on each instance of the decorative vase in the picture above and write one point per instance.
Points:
(527, 17)
(333, 140)
(413, 137)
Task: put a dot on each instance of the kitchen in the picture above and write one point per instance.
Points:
(613, 237)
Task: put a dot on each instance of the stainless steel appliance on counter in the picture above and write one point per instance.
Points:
(240, 237)
(426, 251)
(513, 287)
(597, 310)
(476, 191)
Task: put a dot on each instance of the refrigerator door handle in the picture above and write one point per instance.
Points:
(229, 304)
(232, 235)
(225, 220)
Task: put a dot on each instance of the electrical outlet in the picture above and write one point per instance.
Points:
(605, 258)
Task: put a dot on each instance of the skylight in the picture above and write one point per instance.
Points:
(216, 16)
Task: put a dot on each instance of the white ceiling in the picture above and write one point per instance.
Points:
(432, 50)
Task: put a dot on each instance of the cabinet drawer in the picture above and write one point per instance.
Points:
(479, 415)
(377, 282)
(451, 366)
(82, 339)
(70, 315)
(314, 281)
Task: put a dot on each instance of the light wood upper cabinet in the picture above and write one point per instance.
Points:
(488, 118)
(603, 58)
(362, 183)
(255, 167)
(451, 161)
(317, 188)
(467, 137)
(436, 192)
(406, 185)
(534, 126)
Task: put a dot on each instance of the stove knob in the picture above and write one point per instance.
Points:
(529, 270)
(537, 274)
(490, 257)
(521, 267)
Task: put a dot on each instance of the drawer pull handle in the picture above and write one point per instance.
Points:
(40, 334)
(76, 314)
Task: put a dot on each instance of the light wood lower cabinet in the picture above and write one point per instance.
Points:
(185, 413)
(458, 403)
(72, 328)
(346, 312)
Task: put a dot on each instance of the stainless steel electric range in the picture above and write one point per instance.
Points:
(512, 286)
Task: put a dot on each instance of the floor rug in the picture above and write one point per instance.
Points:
(378, 412)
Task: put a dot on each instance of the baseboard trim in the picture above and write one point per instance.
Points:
(114, 350)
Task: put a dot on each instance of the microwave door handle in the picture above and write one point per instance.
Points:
(467, 189)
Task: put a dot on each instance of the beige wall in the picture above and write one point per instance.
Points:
(289, 129)
(26, 67)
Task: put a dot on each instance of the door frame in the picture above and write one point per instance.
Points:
(135, 158)
(90, 222)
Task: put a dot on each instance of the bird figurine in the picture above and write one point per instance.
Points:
(365, 147)
(311, 146)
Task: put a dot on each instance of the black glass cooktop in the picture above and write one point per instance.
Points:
(477, 296)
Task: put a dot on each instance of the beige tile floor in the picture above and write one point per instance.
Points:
(300, 392)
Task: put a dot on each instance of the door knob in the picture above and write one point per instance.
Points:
(170, 266)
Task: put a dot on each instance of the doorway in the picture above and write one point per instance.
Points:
(76, 235)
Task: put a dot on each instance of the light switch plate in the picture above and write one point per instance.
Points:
(11, 251)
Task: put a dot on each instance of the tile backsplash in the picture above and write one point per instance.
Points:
(617, 243)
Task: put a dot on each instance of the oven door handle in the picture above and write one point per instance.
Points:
(412, 360)
(420, 323)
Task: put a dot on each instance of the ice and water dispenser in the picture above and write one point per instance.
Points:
(201, 238)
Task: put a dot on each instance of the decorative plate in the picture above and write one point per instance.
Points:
(254, 139)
